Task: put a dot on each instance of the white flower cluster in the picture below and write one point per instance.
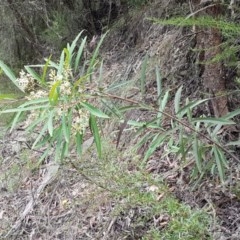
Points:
(66, 88)
(80, 117)
(80, 120)
(36, 95)
(25, 81)
(53, 76)
(67, 73)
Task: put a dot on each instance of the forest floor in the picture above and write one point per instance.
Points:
(117, 197)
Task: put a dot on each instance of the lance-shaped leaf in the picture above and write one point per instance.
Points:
(33, 73)
(79, 54)
(96, 135)
(9, 73)
(93, 110)
(54, 93)
(214, 121)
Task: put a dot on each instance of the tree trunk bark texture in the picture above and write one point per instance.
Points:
(209, 42)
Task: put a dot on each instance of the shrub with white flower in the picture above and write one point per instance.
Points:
(80, 120)
(25, 81)
(58, 102)
(65, 88)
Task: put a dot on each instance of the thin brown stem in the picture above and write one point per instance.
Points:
(154, 109)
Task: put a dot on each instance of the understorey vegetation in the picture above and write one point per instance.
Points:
(137, 157)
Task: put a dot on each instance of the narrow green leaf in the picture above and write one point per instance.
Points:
(51, 63)
(182, 144)
(40, 135)
(197, 156)
(35, 101)
(58, 149)
(143, 140)
(61, 64)
(232, 114)
(54, 93)
(213, 168)
(65, 150)
(37, 65)
(49, 140)
(36, 121)
(79, 54)
(74, 43)
(127, 108)
(9, 73)
(152, 147)
(214, 133)
(22, 106)
(156, 142)
(143, 124)
(117, 85)
(45, 141)
(223, 158)
(50, 122)
(81, 80)
(68, 57)
(214, 121)
(96, 135)
(15, 120)
(189, 112)
(94, 111)
(45, 67)
(33, 73)
(19, 109)
(95, 54)
(65, 128)
(190, 106)
(114, 110)
(100, 77)
(143, 76)
(219, 164)
(163, 103)
(197, 127)
(177, 99)
(9, 96)
(159, 116)
(44, 155)
(159, 84)
(153, 124)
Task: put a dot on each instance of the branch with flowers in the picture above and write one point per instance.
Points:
(57, 101)
(61, 109)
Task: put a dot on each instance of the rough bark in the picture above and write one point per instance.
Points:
(209, 40)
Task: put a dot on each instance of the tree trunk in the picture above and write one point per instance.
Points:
(209, 41)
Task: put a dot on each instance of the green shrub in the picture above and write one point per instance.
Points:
(58, 101)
